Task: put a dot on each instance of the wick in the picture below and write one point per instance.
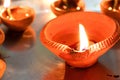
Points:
(115, 4)
(77, 51)
(9, 14)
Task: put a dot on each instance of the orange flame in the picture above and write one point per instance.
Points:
(7, 3)
(83, 38)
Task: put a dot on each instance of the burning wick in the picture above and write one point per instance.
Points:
(9, 14)
(6, 5)
(84, 42)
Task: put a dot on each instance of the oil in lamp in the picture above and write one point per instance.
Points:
(16, 18)
(111, 8)
(61, 36)
(63, 6)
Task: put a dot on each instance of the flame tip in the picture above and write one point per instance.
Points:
(83, 38)
(7, 3)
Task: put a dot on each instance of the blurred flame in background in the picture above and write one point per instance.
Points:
(7, 3)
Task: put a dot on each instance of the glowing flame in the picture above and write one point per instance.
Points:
(49, 1)
(7, 3)
(83, 38)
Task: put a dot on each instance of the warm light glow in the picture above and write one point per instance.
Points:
(49, 1)
(110, 8)
(83, 38)
(7, 3)
(78, 8)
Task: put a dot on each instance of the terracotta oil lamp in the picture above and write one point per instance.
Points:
(2, 67)
(17, 18)
(61, 36)
(111, 8)
(60, 7)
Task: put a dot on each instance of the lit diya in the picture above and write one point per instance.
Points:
(17, 18)
(80, 38)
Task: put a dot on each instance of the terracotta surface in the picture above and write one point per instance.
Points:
(61, 40)
(60, 7)
(22, 18)
(108, 8)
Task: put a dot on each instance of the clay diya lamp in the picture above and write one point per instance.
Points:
(111, 8)
(2, 67)
(61, 36)
(17, 18)
(60, 7)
